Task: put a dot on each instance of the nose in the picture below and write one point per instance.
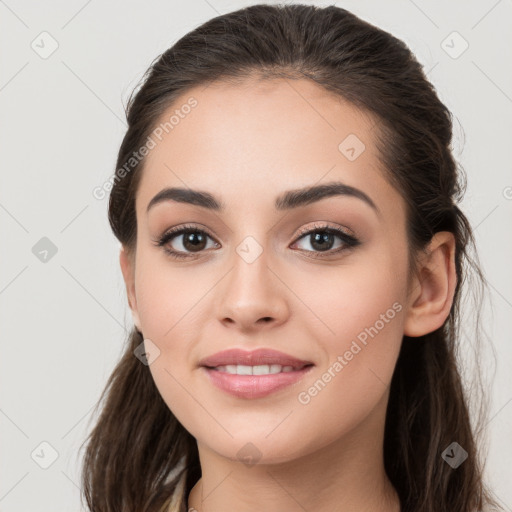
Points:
(252, 296)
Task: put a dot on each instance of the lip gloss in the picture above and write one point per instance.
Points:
(254, 386)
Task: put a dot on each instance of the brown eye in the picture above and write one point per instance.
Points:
(194, 241)
(322, 238)
(184, 241)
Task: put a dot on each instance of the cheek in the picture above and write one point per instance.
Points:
(164, 295)
(357, 323)
(165, 301)
(346, 301)
(169, 303)
(366, 320)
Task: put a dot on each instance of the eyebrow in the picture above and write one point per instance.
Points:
(286, 201)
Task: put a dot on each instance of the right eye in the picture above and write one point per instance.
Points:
(190, 238)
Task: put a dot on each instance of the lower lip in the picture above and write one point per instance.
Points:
(254, 386)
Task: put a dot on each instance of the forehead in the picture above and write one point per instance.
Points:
(247, 142)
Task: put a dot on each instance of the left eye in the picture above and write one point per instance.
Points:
(322, 239)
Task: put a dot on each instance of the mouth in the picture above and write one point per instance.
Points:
(252, 382)
(253, 374)
(261, 369)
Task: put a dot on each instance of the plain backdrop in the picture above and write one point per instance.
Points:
(63, 320)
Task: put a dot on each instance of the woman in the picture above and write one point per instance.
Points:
(293, 254)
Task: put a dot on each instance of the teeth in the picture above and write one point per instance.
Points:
(262, 369)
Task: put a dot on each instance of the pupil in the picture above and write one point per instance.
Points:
(195, 240)
(319, 239)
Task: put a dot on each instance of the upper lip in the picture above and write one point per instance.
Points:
(252, 358)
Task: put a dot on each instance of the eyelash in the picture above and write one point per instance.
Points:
(349, 240)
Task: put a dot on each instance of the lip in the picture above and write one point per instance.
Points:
(252, 358)
(254, 386)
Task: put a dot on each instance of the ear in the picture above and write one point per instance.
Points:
(127, 262)
(432, 296)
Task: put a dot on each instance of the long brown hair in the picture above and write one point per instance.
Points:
(138, 454)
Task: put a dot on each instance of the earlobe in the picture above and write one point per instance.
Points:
(431, 306)
(128, 271)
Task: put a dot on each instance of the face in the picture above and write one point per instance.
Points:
(250, 277)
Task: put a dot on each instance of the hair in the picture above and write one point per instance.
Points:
(139, 457)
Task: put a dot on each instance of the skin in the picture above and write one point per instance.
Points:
(246, 144)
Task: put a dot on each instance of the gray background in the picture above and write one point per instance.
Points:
(63, 321)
